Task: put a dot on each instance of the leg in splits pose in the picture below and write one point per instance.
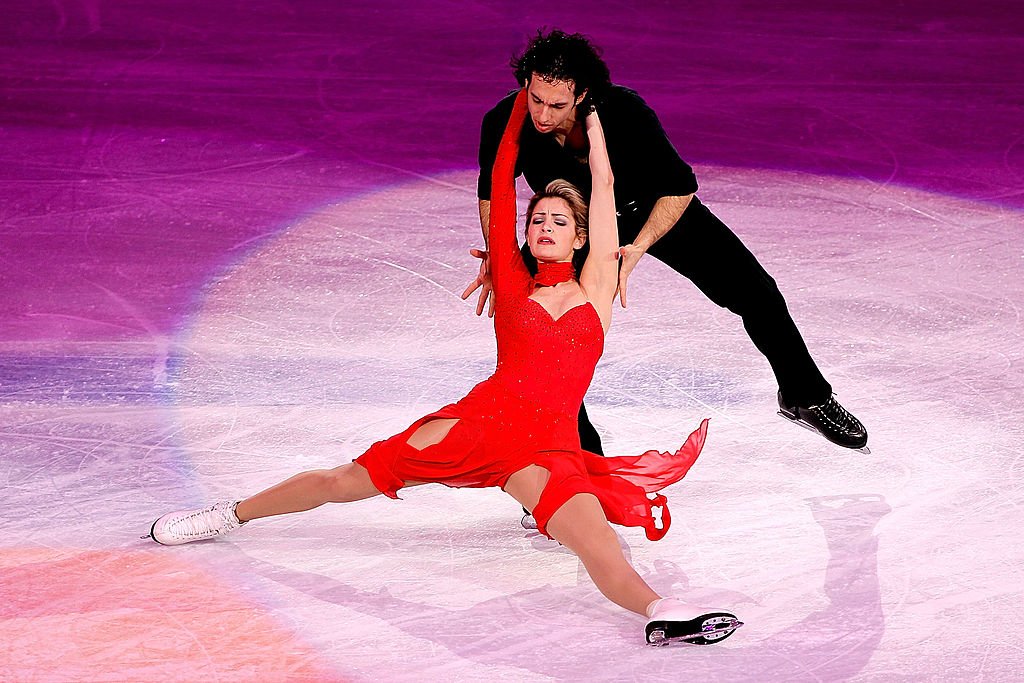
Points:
(550, 328)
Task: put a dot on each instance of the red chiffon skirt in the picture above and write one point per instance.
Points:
(499, 433)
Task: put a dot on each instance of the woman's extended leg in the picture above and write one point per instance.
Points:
(302, 492)
(343, 484)
(308, 490)
(580, 525)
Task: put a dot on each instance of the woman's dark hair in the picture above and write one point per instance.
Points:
(570, 194)
(559, 56)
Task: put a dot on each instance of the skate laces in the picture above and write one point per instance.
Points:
(835, 413)
(212, 520)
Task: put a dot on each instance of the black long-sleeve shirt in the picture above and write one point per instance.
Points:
(645, 163)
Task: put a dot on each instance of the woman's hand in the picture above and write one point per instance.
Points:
(482, 282)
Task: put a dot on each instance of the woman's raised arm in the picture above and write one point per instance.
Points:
(507, 269)
(600, 274)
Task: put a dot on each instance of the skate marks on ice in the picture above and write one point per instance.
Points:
(306, 332)
(567, 631)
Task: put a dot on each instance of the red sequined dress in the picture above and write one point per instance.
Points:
(526, 412)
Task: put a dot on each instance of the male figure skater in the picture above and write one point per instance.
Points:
(659, 213)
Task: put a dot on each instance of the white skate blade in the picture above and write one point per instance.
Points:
(786, 416)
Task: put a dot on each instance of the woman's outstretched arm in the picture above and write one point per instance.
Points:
(600, 275)
(506, 265)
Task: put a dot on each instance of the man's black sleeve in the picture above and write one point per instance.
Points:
(651, 159)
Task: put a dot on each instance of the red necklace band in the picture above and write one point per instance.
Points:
(550, 274)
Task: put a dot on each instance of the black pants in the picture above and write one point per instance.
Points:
(704, 249)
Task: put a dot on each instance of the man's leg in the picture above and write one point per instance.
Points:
(705, 250)
(590, 440)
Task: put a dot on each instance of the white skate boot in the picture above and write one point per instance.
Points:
(672, 621)
(528, 521)
(186, 526)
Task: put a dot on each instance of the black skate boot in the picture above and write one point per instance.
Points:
(831, 420)
(671, 621)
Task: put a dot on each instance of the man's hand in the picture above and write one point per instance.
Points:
(630, 255)
(482, 282)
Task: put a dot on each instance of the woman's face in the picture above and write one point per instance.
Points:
(551, 231)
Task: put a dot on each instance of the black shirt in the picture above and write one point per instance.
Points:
(645, 164)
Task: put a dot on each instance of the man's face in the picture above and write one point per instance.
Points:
(551, 104)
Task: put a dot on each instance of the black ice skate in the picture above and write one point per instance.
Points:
(673, 622)
(831, 420)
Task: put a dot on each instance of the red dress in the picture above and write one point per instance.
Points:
(526, 412)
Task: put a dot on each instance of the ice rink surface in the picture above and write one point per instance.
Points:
(233, 241)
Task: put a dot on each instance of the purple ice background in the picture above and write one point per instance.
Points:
(146, 145)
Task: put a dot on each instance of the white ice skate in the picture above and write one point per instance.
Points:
(528, 521)
(186, 526)
(671, 621)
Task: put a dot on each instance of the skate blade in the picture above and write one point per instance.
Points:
(712, 634)
(786, 416)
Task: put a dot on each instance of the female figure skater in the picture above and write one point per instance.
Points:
(550, 331)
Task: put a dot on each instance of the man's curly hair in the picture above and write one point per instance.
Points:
(560, 56)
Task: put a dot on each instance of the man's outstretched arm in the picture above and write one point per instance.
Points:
(664, 215)
(485, 218)
(490, 134)
(483, 278)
